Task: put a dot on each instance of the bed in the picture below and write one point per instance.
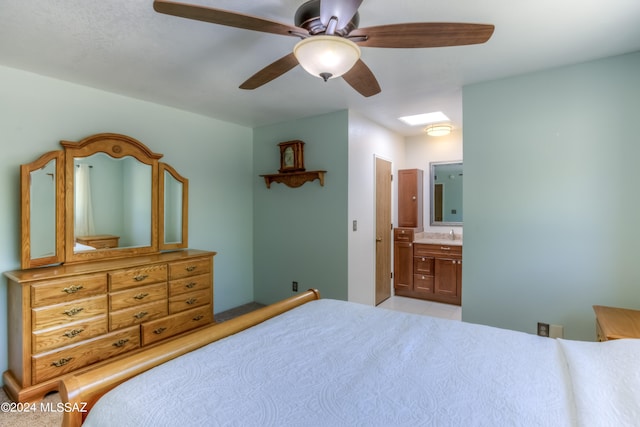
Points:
(318, 362)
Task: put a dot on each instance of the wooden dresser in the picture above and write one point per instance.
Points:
(69, 318)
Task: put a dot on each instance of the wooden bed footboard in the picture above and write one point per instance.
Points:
(80, 392)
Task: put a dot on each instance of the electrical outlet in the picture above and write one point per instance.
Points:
(294, 286)
(543, 329)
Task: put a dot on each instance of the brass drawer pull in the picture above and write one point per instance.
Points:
(198, 317)
(141, 295)
(120, 343)
(191, 268)
(72, 289)
(62, 362)
(191, 285)
(140, 277)
(140, 315)
(445, 248)
(73, 333)
(191, 301)
(73, 311)
(159, 331)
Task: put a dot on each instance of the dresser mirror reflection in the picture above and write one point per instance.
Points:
(446, 193)
(106, 196)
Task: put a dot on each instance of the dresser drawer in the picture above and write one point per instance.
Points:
(423, 283)
(67, 359)
(61, 314)
(136, 296)
(68, 334)
(132, 277)
(63, 290)
(403, 234)
(138, 314)
(186, 301)
(442, 251)
(178, 270)
(175, 324)
(423, 265)
(189, 284)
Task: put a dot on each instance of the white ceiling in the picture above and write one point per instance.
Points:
(124, 46)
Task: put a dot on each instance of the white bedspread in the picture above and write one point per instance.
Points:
(606, 380)
(332, 363)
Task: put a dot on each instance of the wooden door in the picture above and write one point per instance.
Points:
(383, 230)
(437, 203)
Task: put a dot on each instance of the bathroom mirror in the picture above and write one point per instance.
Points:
(100, 198)
(446, 193)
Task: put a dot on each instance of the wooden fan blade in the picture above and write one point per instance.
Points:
(225, 17)
(270, 72)
(362, 79)
(423, 34)
(344, 10)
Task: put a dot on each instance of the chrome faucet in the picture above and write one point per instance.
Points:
(452, 234)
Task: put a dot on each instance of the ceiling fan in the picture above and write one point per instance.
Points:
(333, 25)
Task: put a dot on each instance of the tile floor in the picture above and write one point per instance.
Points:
(418, 306)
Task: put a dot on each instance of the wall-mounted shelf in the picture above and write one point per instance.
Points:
(294, 179)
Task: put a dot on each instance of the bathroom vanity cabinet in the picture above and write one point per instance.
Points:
(430, 271)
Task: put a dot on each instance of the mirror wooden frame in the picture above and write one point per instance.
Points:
(25, 210)
(164, 245)
(116, 146)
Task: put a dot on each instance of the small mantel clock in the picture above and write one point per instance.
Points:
(291, 156)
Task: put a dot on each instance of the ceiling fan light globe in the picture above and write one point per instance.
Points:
(326, 55)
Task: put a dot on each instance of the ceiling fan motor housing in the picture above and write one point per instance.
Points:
(308, 17)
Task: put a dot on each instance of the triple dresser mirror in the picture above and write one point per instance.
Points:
(105, 222)
(106, 196)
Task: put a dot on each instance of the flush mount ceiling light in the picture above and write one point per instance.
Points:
(326, 57)
(440, 129)
(425, 119)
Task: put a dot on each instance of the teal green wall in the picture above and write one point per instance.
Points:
(301, 233)
(37, 112)
(551, 196)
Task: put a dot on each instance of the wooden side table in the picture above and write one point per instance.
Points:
(614, 323)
